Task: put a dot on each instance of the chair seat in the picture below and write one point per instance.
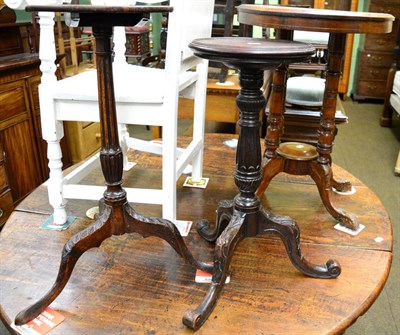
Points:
(132, 84)
(305, 91)
(312, 37)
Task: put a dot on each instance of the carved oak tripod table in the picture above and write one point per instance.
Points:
(298, 158)
(116, 215)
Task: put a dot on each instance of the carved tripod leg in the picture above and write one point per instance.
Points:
(322, 174)
(289, 232)
(341, 185)
(224, 214)
(223, 253)
(146, 226)
(270, 169)
(88, 238)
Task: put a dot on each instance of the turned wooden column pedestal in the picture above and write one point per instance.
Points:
(244, 216)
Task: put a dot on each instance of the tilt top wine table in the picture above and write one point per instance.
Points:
(116, 217)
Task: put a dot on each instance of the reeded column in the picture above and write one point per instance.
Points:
(111, 156)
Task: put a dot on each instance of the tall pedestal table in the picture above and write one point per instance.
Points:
(116, 216)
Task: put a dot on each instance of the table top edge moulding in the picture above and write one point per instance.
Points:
(281, 17)
(87, 15)
(98, 9)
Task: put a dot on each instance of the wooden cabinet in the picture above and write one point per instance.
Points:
(6, 200)
(20, 131)
(84, 138)
(375, 55)
(17, 128)
(350, 5)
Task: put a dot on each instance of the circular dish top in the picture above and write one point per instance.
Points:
(251, 50)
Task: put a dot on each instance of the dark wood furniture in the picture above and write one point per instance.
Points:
(392, 94)
(387, 113)
(116, 216)
(20, 132)
(20, 128)
(299, 159)
(375, 55)
(6, 200)
(132, 285)
(16, 38)
(244, 216)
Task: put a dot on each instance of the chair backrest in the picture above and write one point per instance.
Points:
(190, 19)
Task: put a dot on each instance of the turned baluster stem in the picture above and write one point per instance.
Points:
(327, 129)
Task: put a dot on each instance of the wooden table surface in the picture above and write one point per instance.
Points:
(132, 285)
(310, 19)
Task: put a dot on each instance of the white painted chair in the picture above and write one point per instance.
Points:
(151, 98)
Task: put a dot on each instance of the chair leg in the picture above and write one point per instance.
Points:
(199, 118)
(55, 182)
(169, 166)
(123, 137)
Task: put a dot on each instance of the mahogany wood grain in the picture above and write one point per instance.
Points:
(132, 285)
(309, 19)
(338, 24)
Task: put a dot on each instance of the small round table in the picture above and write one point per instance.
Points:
(244, 216)
(338, 24)
(116, 216)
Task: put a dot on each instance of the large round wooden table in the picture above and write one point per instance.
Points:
(132, 285)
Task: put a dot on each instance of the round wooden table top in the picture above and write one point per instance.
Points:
(132, 285)
(318, 20)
